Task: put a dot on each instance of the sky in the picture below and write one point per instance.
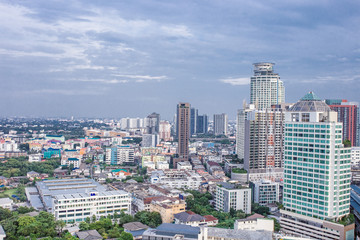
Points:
(131, 58)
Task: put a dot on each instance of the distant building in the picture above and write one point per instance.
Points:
(202, 124)
(35, 157)
(6, 203)
(355, 155)
(55, 137)
(165, 131)
(227, 196)
(183, 130)
(193, 121)
(167, 207)
(220, 124)
(150, 140)
(152, 123)
(119, 155)
(266, 88)
(348, 114)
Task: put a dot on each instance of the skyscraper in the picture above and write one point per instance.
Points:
(348, 115)
(202, 124)
(220, 124)
(241, 117)
(266, 88)
(152, 123)
(263, 143)
(316, 172)
(183, 130)
(193, 120)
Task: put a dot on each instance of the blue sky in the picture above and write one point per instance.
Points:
(131, 58)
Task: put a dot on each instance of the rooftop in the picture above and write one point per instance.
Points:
(310, 103)
(134, 226)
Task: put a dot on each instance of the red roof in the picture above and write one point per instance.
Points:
(210, 218)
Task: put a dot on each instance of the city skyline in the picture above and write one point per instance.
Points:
(125, 59)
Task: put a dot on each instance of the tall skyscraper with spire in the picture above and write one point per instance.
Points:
(316, 172)
(266, 88)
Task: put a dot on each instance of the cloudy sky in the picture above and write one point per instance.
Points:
(131, 58)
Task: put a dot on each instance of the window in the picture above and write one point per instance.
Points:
(295, 117)
(305, 117)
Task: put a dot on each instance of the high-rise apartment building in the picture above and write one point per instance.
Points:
(119, 155)
(263, 145)
(152, 123)
(165, 131)
(202, 124)
(220, 124)
(193, 120)
(348, 115)
(266, 88)
(183, 130)
(316, 172)
(241, 117)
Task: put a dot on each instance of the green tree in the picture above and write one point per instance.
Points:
(4, 213)
(60, 226)
(23, 210)
(276, 225)
(87, 220)
(114, 233)
(83, 226)
(347, 143)
(126, 236)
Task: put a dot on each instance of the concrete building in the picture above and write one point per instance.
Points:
(265, 192)
(241, 117)
(186, 165)
(35, 157)
(152, 123)
(183, 131)
(255, 222)
(171, 232)
(119, 155)
(202, 124)
(167, 207)
(348, 114)
(6, 203)
(264, 143)
(165, 131)
(150, 140)
(227, 196)
(266, 88)
(73, 200)
(193, 121)
(355, 155)
(173, 178)
(317, 172)
(355, 206)
(220, 124)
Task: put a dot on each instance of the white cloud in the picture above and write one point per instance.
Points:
(236, 81)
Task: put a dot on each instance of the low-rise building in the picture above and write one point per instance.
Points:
(255, 222)
(6, 203)
(265, 192)
(167, 207)
(35, 157)
(229, 196)
(73, 200)
(184, 165)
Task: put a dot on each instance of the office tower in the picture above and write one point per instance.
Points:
(266, 88)
(348, 115)
(193, 120)
(263, 145)
(202, 124)
(316, 172)
(220, 124)
(152, 123)
(183, 130)
(165, 131)
(241, 117)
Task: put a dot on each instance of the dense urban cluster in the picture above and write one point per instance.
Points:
(280, 171)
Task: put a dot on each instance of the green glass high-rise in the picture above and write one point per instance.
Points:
(316, 170)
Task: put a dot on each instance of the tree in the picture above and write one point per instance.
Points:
(93, 219)
(4, 213)
(87, 220)
(114, 233)
(152, 219)
(60, 226)
(126, 236)
(83, 226)
(276, 225)
(347, 143)
(23, 210)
